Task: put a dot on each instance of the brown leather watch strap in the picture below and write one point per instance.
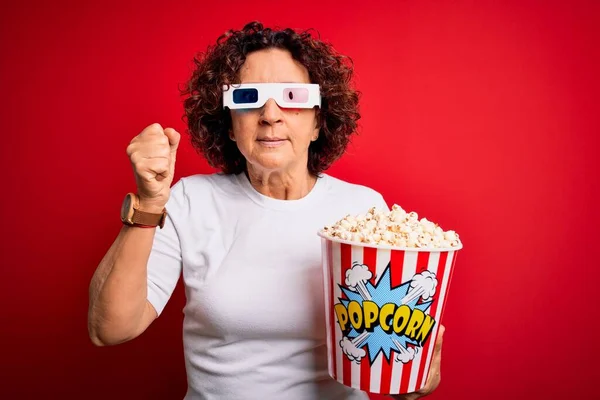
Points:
(145, 218)
(131, 214)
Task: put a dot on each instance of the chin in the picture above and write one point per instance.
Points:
(271, 162)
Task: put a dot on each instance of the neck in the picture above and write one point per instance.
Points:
(282, 185)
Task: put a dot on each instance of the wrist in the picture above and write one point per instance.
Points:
(150, 206)
(140, 213)
(139, 226)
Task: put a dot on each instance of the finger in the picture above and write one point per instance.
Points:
(154, 128)
(433, 379)
(440, 339)
(174, 138)
(437, 352)
(435, 375)
(146, 175)
(157, 169)
(160, 168)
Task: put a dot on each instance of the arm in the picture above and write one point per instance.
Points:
(118, 305)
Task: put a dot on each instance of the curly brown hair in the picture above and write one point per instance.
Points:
(209, 124)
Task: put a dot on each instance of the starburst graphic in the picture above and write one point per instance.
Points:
(382, 293)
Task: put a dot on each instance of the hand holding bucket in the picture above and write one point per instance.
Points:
(384, 307)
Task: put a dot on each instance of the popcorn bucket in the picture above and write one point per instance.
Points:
(383, 310)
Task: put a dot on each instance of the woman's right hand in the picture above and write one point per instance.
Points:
(119, 309)
(152, 154)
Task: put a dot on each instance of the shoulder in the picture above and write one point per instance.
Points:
(201, 187)
(338, 185)
(199, 183)
(360, 194)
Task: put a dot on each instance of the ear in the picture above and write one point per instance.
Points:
(315, 135)
(317, 125)
(231, 136)
(318, 118)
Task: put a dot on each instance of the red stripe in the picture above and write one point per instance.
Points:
(346, 251)
(422, 261)
(404, 381)
(365, 373)
(332, 323)
(370, 260)
(425, 350)
(422, 265)
(386, 374)
(397, 261)
(448, 285)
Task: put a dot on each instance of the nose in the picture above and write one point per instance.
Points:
(270, 113)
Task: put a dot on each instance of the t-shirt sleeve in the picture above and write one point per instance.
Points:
(165, 262)
(380, 202)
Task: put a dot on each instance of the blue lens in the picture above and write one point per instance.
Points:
(245, 96)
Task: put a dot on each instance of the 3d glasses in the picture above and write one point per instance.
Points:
(286, 95)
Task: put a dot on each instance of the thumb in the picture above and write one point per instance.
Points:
(174, 138)
(440, 338)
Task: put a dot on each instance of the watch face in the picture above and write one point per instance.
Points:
(126, 208)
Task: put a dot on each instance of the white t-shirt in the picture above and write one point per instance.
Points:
(254, 325)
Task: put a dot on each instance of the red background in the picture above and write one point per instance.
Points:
(482, 116)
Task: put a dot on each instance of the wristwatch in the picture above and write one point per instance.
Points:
(131, 214)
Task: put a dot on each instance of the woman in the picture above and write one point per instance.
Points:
(245, 239)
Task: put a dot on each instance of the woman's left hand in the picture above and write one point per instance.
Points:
(433, 380)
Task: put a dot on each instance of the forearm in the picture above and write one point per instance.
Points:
(118, 289)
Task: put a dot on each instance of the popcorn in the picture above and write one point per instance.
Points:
(396, 228)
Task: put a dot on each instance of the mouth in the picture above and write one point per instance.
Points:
(271, 141)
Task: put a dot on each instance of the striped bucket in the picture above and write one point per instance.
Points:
(383, 309)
